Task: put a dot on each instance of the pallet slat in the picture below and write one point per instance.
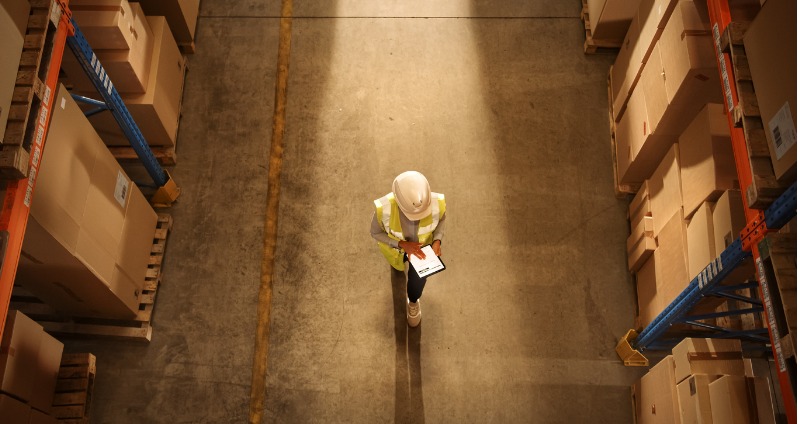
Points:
(71, 385)
(165, 155)
(67, 399)
(71, 411)
(73, 394)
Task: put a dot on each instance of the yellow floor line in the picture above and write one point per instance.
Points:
(259, 382)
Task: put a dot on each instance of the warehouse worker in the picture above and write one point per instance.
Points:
(405, 220)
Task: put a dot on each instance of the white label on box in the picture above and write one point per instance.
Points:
(784, 134)
(63, 102)
(122, 189)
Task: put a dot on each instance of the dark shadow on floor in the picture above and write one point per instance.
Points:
(409, 406)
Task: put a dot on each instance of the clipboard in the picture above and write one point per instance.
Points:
(432, 264)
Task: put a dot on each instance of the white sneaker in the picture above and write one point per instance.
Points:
(413, 313)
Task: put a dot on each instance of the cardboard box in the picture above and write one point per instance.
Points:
(659, 395)
(763, 399)
(771, 45)
(609, 20)
(655, 90)
(158, 110)
(708, 356)
(181, 15)
(13, 21)
(672, 260)
(83, 251)
(639, 200)
(687, 51)
(46, 375)
(650, 305)
(620, 73)
(129, 69)
(729, 400)
(18, 354)
(665, 189)
(639, 250)
(107, 25)
(695, 400)
(651, 19)
(41, 418)
(707, 163)
(13, 411)
(642, 227)
(728, 220)
(642, 212)
(639, 149)
(628, 137)
(700, 239)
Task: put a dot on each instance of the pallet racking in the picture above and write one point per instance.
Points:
(59, 32)
(759, 189)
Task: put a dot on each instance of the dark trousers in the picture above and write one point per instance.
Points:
(415, 284)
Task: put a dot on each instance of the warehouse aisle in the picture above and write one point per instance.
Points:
(502, 111)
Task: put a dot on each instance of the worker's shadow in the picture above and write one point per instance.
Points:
(408, 406)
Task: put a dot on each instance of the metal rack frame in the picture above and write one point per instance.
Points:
(707, 283)
(16, 204)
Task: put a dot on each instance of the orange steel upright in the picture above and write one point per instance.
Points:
(16, 204)
(754, 232)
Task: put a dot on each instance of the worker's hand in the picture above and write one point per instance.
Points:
(437, 247)
(412, 248)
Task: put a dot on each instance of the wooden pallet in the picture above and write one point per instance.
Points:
(29, 89)
(73, 396)
(765, 188)
(136, 329)
(165, 155)
(592, 45)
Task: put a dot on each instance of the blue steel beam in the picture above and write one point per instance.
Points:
(97, 74)
(706, 283)
(700, 285)
(722, 314)
(89, 101)
(733, 296)
(748, 285)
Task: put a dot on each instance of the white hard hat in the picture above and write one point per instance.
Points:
(413, 194)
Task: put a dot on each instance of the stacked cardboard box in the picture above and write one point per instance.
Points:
(641, 242)
(121, 38)
(609, 19)
(662, 78)
(13, 21)
(673, 215)
(157, 111)
(90, 232)
(29, 364)
(705, 381)
(181, 17)
(771, 46)
(148, 75)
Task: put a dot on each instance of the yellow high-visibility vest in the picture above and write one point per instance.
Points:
(388, 214)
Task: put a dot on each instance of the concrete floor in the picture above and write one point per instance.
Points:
(496, 103)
